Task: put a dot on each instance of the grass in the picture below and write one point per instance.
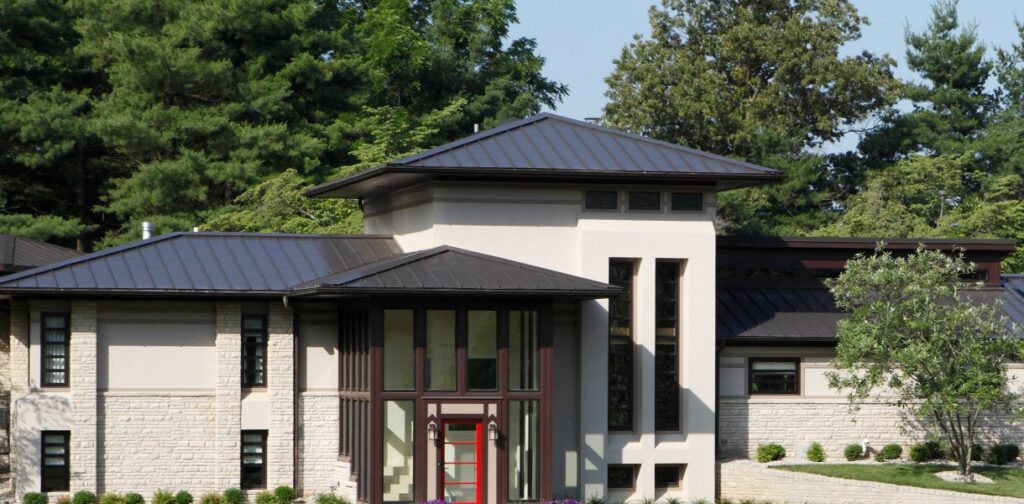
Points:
(1007, 482)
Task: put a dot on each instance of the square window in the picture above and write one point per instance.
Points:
(622, 477)
(687, 201)
(602, 200)
(56, 461)
(668, 475)
(254, 459)
(774, 376)
(644, 200)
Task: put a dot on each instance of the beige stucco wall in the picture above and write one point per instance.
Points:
(546, 226)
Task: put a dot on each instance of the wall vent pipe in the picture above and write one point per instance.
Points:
(147, 230)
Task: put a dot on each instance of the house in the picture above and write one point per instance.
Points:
(532, 313)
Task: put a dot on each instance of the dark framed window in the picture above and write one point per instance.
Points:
(666, 346)
(687, 201)
(620, 347)
(482, 353)
(601, 200)
(56, 461)
(254, 350)
(622, 477)
(668, 475)
(774, 376)
(254, 459)
(644, 200)
(56, 349)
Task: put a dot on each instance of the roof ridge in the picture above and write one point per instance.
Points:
(520, 264)
(374, 268)
(475, 137)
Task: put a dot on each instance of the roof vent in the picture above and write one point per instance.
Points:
(476, 127)
(593, 120)
(147, 230)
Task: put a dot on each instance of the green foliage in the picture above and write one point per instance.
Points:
(853, 452)
(210, 498)
(33, 498)
(1002, 454)
(815, 453)
(593, 499)
(162, 497)
(331, 499)
(912, 331)
(923, 452)
(284, 494)
(111, 498)
(891, 451)
(84, 497)
(235, 496)
(265, 497)
(183, 497)
(134, 498)
(770, 453)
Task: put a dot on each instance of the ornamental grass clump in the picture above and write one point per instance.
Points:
(111, 498)
(134, 498)
(815, 453)
(210, 498)
(770, 453)
(331, 499)
(163, 497)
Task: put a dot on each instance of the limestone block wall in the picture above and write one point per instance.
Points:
(159, 440)
(281, 388)
(228, 393)
(320, 470)
(83, 396)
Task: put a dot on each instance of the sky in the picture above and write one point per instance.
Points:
(581, 38)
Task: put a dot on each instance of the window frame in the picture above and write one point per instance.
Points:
(680, 471)
(263, 457)
(66, 456)
(43, 368)
(672, 201)
(247, 381)
(588, 206)
(634, 470)
(680, 268)
(796, 375)
(633, 208)
(634, 267)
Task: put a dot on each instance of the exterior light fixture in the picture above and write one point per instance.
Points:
(492, 431)
(432, 431)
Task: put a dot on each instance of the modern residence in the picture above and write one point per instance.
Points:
(541, 309)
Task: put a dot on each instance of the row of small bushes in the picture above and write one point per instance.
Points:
(1000, 454)
(280, 495)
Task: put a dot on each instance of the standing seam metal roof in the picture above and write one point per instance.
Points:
(19, 253)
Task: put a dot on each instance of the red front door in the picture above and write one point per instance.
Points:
(462, 458)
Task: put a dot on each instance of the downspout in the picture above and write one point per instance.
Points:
(295, 394)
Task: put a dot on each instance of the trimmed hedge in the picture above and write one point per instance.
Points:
(233, 496)
(891, 452)
(923, 452)
(853, 452)
(770, 453)
(33, 498)
(84, 497)
(815, 453)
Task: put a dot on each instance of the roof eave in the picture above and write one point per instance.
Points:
(328, 291)
(116, 293)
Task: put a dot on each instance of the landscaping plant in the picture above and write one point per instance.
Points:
(1002, 454)
(265, 497)
(84, 497)
(210, 498)
(183, 497)
(331, 499)
(890, 451)
(853, 452)
(770, 453)
(815, 453)
(111, 498)
(284, 494)
(163, 497)
(234, 496)
(134, 498)
(913, 332)
(33, 498)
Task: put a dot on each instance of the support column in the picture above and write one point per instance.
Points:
(229, 394)
(84, 454)
(19, 388)
(281, 387)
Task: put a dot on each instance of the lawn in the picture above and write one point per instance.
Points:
(1007, 482)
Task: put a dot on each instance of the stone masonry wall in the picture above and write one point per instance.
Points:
(742, 480)
(281, 387)
(159, 440)
(795, 423)
(229, 394)
(83, 396)
(19, 347)
(320, 471)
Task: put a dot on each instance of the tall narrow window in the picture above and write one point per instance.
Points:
(522, 350)
(482, 364)
(56, 349)
(254, 459)
(399, 353)
(620, 347)
(522, 451)
(56, 461)
(254, 351)
(666, 346)
(399, 420)
(440, 363)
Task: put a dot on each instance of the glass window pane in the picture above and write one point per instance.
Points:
(644, 200)
(55, 322)
(522, 350)
(602, 200)
(440, 350)
(399, 424)
(459, 493)
(687, 201)
(773, 377)
(620, 347)
(482, 368)
(399, 354)
(666, 358)
(522, 450)
(252, 323)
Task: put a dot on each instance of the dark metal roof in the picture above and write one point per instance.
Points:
(452, 270)
(549, 147)
(221, 263)
(260, 264)
(860, 243)
(18, 253)
(748, 315)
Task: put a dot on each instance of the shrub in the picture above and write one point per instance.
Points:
(84, 497)
(815, 453)
(183, 497)
(133, 498)
(233, 496)
(593, 499)
(111, 498)
(853, 452)
(330, 499)
(265, 497)
(284, 494)
(891, 452)
(163, 497)
(1002, 454)
(770, 452)
(63, 499)
(923, 452)
(210, 498)
(33, 498)
(976, 451)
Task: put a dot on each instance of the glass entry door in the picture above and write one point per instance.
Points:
(462, 458)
